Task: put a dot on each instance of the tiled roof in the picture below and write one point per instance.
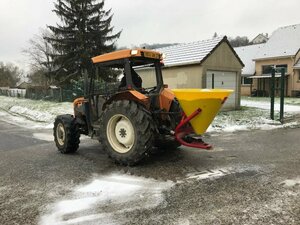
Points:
(285, 41)
(247, 54)
(189, 53)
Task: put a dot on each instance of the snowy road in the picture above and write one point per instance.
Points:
(249, 178)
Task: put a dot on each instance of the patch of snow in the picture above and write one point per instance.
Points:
(44, 136)
(249, 118)
(32, 114)
(212, 174)
(23, 122)
(75, 205)
(292, 182)
(217, 173)
(234, 128)
(267, 105)
(105, 218)
(112, 191)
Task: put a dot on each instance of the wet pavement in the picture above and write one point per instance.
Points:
(250, 177)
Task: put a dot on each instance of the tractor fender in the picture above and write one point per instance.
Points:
(166, 98)
(130, 95)
(78, 106)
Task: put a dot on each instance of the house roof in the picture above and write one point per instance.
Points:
(192, 53)
(246, 54)
(22, 83)
(283, 42)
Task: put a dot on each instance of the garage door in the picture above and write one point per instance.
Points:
(223, 80)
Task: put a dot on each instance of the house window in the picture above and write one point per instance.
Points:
(267, 69)
(279, 67)
(246, 81)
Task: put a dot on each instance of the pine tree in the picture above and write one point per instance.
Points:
(85, 31)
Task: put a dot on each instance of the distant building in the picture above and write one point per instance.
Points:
(247, 54)
(24, 85)
(202, 64)
(259, 39)
(282, 50)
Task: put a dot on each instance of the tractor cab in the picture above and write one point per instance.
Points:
(147, 90)
(130, 62)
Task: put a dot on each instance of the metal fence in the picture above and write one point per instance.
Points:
(60, 94)
(42, 93)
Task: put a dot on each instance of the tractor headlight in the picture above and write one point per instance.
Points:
(134, 52)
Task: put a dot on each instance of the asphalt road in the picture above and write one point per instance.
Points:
(249, 178)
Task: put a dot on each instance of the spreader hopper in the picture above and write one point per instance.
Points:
(207, 101)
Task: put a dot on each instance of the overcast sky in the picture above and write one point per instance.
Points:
(152, 21)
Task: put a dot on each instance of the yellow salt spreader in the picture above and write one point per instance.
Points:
(200, 106)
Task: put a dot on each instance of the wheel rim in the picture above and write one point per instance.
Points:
(120, 133)
(60, 134)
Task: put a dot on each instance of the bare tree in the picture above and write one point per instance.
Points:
(10, 74)
(39, 77)
(39, 53)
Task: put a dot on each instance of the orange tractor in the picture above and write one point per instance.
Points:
(137, 114)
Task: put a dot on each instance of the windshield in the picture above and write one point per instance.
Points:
(147, 74)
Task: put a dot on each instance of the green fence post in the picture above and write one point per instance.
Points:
(272, 94)
(282, 84)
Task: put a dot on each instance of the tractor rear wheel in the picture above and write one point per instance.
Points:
(126, 132)
(66, 134)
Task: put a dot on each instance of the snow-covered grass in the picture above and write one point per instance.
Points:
(253, 114)
(287, 100)
(32, 113)
(248, 118)
(288, 108)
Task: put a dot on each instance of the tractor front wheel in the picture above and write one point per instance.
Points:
(66, 134)
(126, 132)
